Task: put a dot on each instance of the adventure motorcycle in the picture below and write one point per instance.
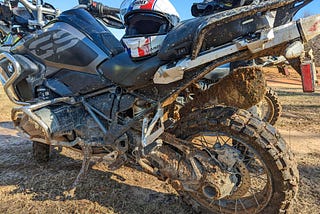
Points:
(78, 88)
(269, 109)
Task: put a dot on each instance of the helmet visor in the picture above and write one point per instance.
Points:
(146, 24)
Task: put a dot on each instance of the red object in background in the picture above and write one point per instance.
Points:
(307, 76)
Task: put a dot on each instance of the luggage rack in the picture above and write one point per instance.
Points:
(302, 30)
(227, 16)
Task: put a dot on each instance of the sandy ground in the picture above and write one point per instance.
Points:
(29, 187)
(300, 126)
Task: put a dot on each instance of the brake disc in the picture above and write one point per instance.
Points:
(245, 183)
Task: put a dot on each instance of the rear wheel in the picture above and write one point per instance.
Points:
(265, 176)
(41, 152)
(273, 107)
(269, 109)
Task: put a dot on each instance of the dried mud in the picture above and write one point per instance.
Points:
(29, 187)
(315, 44)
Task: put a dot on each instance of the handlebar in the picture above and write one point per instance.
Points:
(110, 15)
(44, 10)
(103, 10)
(107, 10)
(39, 11)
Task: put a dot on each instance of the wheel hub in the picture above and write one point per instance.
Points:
(219, 185)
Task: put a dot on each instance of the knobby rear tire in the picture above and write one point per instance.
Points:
(272, 97)
(262, 137)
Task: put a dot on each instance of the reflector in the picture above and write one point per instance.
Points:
(307, 77)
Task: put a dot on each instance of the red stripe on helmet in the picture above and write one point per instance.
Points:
(149, 5)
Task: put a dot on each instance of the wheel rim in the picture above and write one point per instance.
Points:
(258, 194)
(267, 109)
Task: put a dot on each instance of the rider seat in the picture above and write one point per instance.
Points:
(126, 72)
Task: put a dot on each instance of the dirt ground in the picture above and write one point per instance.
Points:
(29, 187)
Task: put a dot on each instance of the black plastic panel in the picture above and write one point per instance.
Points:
(79, 82)
(58, 87)
(179, 40)
(60, 46)
(24, 86)
(74, 41)
(98, 33)
(127, 73)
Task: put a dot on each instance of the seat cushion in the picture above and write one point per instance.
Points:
(122, 70)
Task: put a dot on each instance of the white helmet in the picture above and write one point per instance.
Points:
(147, 23)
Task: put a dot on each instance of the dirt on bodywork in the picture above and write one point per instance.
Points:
(245, 87)
(29, 187)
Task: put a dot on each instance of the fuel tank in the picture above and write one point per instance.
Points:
(75, 41)
(73, 45)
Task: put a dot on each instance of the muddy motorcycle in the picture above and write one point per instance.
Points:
(76, 87)
(269, 109)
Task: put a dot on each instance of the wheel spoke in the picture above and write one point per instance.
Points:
(245, 209)
(220, 206)
(254, 189)
(256, 177)
(236, 206)
(212, 201)
(217, 139)
(207, 145)
(254, 196)
(223, 139)
(245, 156)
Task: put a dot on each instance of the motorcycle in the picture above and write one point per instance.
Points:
(76, 87)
